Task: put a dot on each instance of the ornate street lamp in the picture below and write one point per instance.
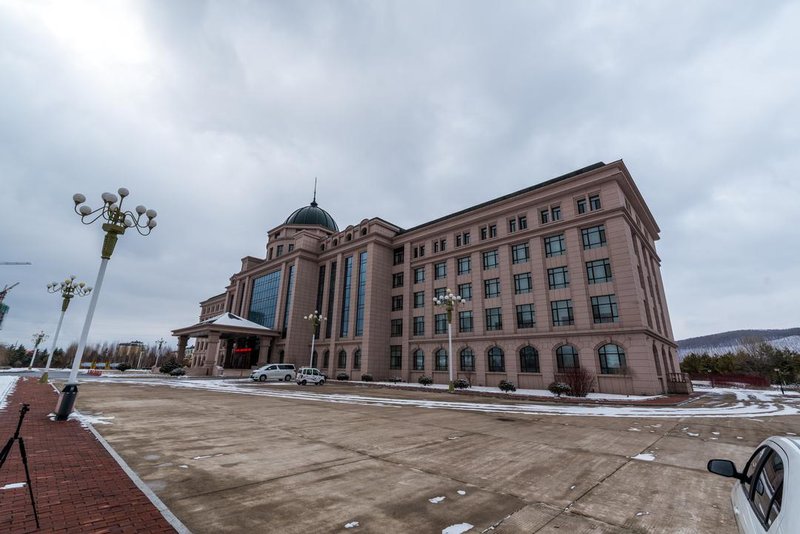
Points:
(37, 338)
(68, 289)
(449, 302)
(160, 342)
(315, 319)
(116, 221)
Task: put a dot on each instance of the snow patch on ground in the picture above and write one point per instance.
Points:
(352, 524)
(458, 529)
(13, 486)
(747, 403)
(85, 419)
(436, 500)
(461, 492)
(645, 457)
(518, 392)
(207, 456)
(7, 384)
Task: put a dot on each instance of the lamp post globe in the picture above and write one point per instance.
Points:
(115, 220)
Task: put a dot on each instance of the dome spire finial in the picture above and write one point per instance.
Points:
(314, 201)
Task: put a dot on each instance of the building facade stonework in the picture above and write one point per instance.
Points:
(558, 275)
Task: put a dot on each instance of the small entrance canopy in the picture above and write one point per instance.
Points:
(225, 326)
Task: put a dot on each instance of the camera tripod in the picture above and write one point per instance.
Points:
(7, 449)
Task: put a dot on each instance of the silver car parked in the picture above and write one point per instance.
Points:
(274, 371)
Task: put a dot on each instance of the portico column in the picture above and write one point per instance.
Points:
(182, 342)
(212, 353)
(263, 349)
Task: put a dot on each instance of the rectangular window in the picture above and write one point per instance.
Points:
(594, 202)
(484, 232)
(395, 357)
(399, 255)
(598, 271)
(558, 277)
(594, 236)
(604, 309)
(419, 299)
(520, 253)
(397, 302)
(522, 283)
(419, 275)
(554, 245)
(443, 245)
(331, 294)
(562, 312)
(440, 323)
(464, 265)
(361, 293)
(421, 251)
(512, 226)
(526, 318)
(419, 360)
(458, 240)
(344, 320)
(439, 292)
(397, 327)
(419, 326)
(489, 260)
(397, 280)
(491, 288)
(465, 291)
(435, 247)
(523, 222)
(544, 216)
(494, 319)
(440, 270)
(465, 321)
(416, 252)
(581, 204)
(291, 247)
(555, 213)
(466, 238)
(264, 299)
(492, 230)
(279, 251)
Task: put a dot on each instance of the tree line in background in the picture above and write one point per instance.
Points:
(754, 357)
(99, 353)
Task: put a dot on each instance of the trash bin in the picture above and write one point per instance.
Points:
(66, 400)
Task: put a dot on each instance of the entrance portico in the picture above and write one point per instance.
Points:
(226, 341)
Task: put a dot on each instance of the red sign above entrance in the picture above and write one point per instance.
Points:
(243, 350)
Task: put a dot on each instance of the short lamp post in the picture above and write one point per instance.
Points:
(315, 319)
(116, 221)
(37, 338)
(780, 374)
(68, 289)
(449, 302)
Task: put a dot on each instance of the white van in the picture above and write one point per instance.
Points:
(310, 375)
(274, 371)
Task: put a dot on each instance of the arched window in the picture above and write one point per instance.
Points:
(357, 359)
(335, 242)
(467, 360)
(363, 231)
(497, 363)
(441, 360)
(567, 358)
(612, 359)
(314, 359)
(418, 360)
(342, 363)
(528, 360)
(349, 237)
(282, 355)
(326, 359)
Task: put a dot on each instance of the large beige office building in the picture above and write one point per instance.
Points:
(561, 274)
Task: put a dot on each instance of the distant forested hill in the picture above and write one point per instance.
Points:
(788, 338)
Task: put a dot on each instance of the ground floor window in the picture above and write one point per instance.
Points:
(342, 363)
(528, 360)
(326, 359)
(566, 358)
(612, 359)
(395, 357)
(441, 360)
(419, 360)
(497, 362)
(467, 360)
(357, 359)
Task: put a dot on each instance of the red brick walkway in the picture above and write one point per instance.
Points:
(77, 484)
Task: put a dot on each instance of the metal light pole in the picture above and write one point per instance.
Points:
(68, 289)
(37, 338)
(779, 372)
(449, 302)
(116, 222)
(315, 319)
(160, 342)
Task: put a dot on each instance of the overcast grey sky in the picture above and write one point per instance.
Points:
(220, 114)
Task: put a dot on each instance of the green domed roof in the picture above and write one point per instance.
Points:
(312, 215)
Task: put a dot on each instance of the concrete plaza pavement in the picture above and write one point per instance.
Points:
(227, 462)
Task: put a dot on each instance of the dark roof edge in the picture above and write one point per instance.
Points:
(551, 181)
